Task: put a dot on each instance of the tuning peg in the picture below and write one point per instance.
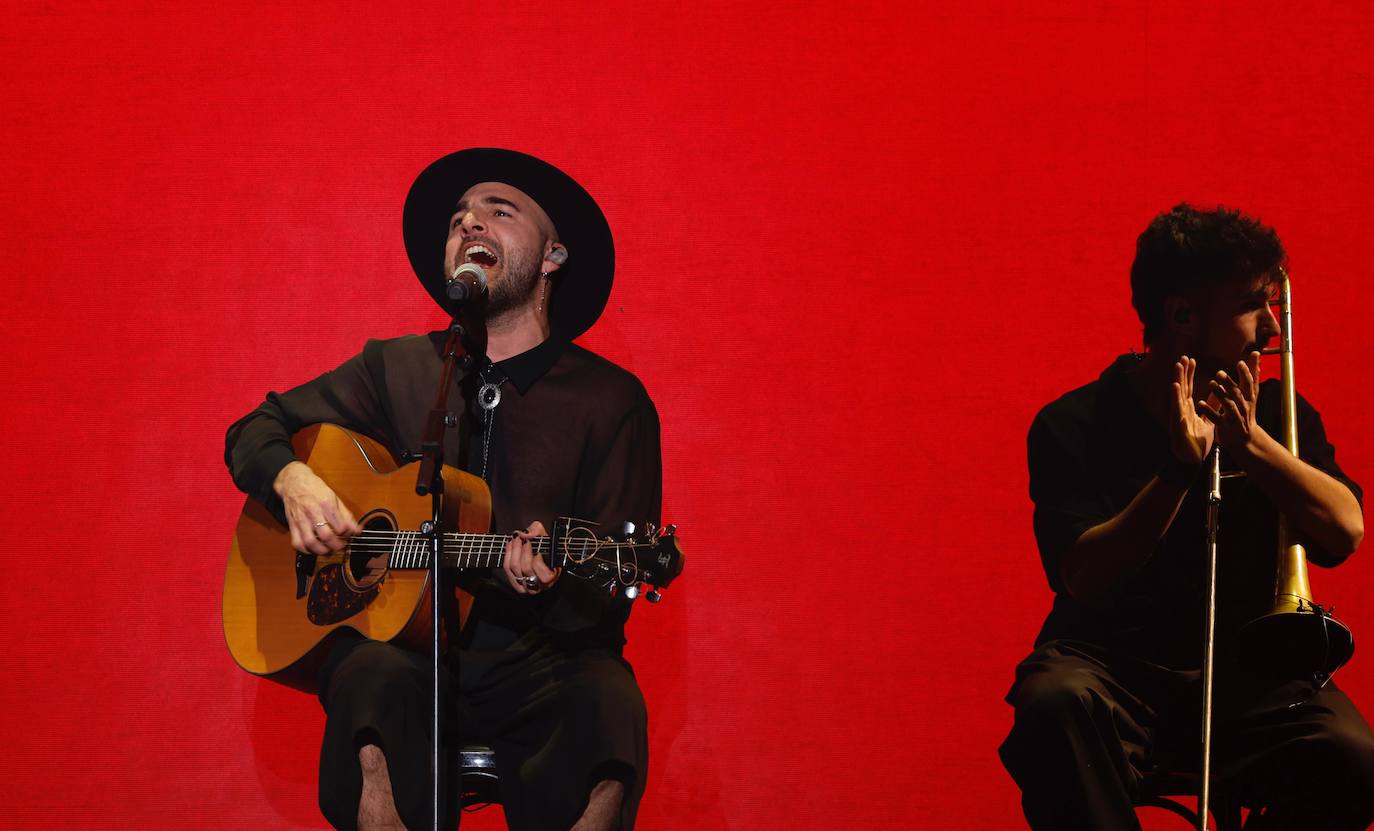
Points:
(653, 596)
(627, 530)
(669, 530)
(631, 592)
(650, 530)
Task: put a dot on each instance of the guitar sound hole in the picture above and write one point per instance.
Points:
(371, 550)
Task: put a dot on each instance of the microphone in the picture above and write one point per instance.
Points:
(467, 282)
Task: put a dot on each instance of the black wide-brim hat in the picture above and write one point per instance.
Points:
(583, 282)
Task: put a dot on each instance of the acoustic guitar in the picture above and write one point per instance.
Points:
(281, 605)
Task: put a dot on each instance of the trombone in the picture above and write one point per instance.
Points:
(1296, 638)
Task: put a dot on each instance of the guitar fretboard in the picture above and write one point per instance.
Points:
(410, 549)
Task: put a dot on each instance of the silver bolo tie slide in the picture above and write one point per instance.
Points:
(488, 396)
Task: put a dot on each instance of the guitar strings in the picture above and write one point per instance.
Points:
(498, 539)
(475, 541)
(410, 549)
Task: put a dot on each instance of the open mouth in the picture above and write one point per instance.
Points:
(480, 254)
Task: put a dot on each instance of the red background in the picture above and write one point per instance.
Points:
(859, 245)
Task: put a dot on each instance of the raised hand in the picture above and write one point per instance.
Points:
(319, 522)
(1232, 404)
(1190, 433)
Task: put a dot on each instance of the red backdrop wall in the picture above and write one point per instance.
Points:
(859, 245)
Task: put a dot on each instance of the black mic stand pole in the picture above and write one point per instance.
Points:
(1209, 630)
(465, 346)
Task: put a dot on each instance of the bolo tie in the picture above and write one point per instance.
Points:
(488, 397)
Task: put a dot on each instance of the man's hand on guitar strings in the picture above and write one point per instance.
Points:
(318, 521)
(526, 571)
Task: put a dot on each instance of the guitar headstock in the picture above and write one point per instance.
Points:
(621, 563)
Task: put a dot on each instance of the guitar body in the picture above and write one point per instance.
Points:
(280, 609)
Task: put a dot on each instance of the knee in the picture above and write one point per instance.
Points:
(1055, 698)
(378, 671)
(626, 698)
(1342, 756)
(612, 693)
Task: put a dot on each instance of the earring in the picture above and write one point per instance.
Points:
(543, 285)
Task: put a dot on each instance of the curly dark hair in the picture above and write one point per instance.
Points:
(1187, 249)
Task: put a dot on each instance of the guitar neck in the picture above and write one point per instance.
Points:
(410, 549)
(483, 550)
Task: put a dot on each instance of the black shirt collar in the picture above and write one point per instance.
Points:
(531, 365)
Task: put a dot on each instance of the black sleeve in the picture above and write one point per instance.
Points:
(621, 480)
(1317, 451)
(258, 445)
(624, 480)
(1066, 501)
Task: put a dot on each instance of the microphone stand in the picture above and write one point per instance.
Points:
(1209, 629)
(465, 346)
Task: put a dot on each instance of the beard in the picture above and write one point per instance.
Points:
(519, 276)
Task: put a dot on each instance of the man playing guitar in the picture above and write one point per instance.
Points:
(554, 430)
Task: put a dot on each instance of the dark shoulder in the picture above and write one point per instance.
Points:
(427, 345)
(1070, 412)
(1075, 413)
(594, 372)
(405, 354)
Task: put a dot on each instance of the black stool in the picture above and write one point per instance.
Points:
(477, 779)
(1159, 788)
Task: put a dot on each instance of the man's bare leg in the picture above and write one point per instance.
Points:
(377, 807)
(603, 807)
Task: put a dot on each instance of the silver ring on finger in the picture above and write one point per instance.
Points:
(531, 582)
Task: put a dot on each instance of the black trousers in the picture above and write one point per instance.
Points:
(560, 719)
(1089, 723)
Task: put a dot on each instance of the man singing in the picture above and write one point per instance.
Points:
(1112, 690)
(555, 431)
